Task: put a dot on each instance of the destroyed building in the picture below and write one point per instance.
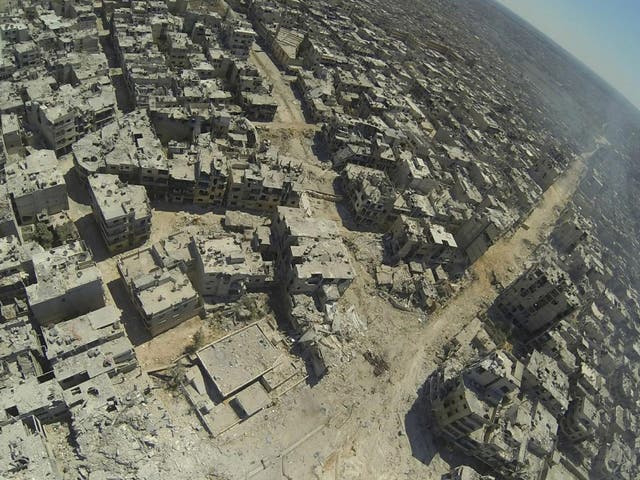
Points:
(64, 116)
(88, 346)
(238, 37)
(262, 185)
(572, 229)
(8, 223)
(16, 268)
(488, 412)
(310, 256)
(370, 195)
(465, 473)
(128, 148)
(20, 349)
(413, 119)
(26, 452)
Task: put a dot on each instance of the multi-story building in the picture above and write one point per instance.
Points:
(179, 45)
(419, 240)
(547, 382)
(487, 224)
(69, 113)
(238, 38)
(37, 186)
(14, 32)
(571, 230)
(27, 54)
(85, 347)
(16, 268)
(8, 224)
(487, 412)
(212, 173)
(161, 292)
(68, 284)
(122, 211)
(11, 132)
(20, 347)
(128, 148)
(262, 186)
(581, 420)
(312, 264)
(370, 195)
(538, 299)
(227, 267)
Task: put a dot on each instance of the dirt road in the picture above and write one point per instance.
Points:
(289, 132)
(289, 111)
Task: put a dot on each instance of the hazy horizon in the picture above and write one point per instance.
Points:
(603, 35)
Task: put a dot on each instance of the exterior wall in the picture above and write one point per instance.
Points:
(58, 135)
(221, 285)
(51, 199)
(575, 425)
(534, 303)
(75, 302)
(211, 188)
(239, 42)
(366, 212)
(11, 133)
(249, 194)
(171, 317)
(9, 226)
(454, 416)
(568, 235)
(123, 232)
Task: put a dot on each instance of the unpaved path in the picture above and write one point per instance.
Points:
(289, 132)
(289, 111)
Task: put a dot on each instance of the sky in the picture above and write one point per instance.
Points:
(604, 34)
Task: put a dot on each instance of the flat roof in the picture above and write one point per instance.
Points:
(238, 359)
(68, 338)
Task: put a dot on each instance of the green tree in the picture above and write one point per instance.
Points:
(43, 235)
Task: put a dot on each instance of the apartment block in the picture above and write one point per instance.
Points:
(419, 240)
(227, 268)
(162, 294)
(122, 212)
(238, 38)
(538, 299)
(16, 268)
(69, 113)
(68, 284)
(310, 255)
(11, 132)
(370, 195)
(36, 186)
(128, 148)
(259, 185)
